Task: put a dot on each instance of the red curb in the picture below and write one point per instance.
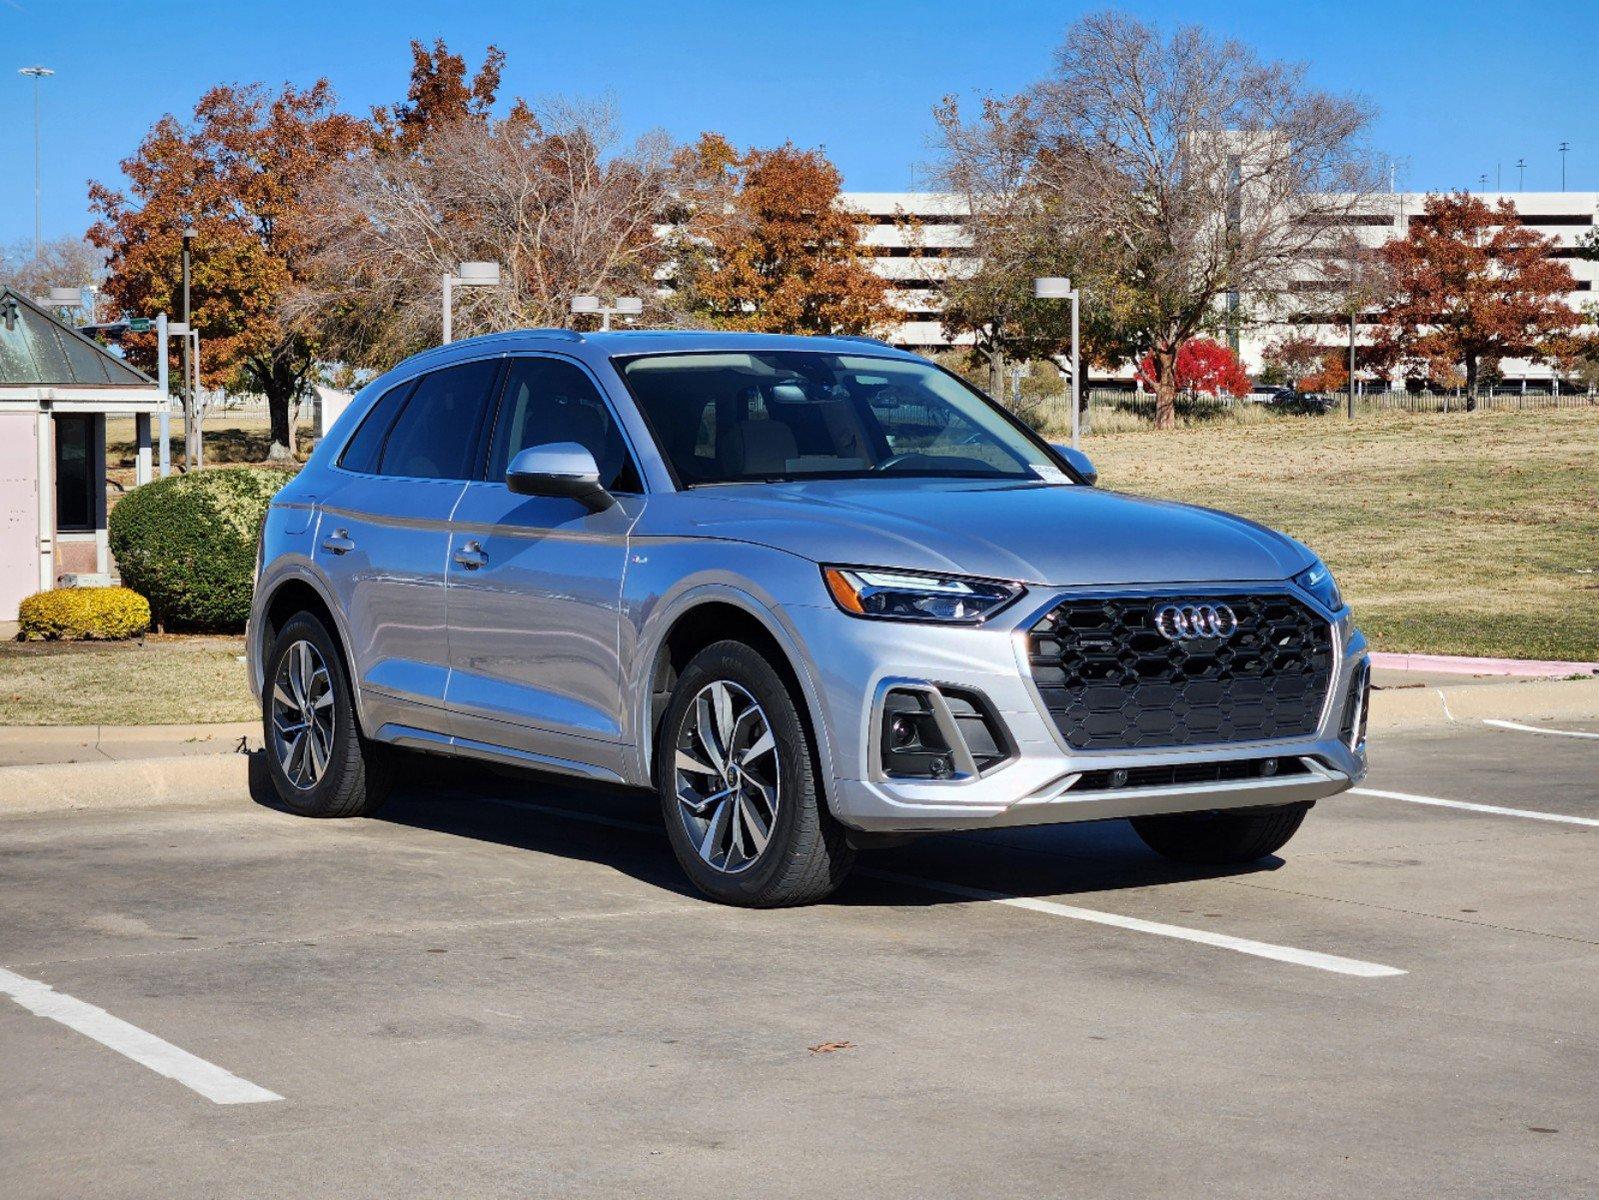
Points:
(1450, 664)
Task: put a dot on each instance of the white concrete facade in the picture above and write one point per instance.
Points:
(917, 240)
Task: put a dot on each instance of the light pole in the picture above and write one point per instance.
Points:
(36, 74)
(1521, 174)
(1564, 146)
(187, 392)
(1056, 288)
(625, 306)
(467, 274)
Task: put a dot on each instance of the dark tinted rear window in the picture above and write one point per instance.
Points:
(361, 454)
(436, 434)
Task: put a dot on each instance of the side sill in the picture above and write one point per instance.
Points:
(440, 743)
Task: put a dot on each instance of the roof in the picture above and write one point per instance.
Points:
(641, 341)
(38, 350)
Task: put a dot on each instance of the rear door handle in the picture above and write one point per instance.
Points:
(338, 542)
(471, 556)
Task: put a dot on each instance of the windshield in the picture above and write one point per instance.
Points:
(727, 417)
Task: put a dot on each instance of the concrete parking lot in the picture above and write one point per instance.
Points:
(501, 987)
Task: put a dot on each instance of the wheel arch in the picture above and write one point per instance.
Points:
(296, 594)
(724, 615)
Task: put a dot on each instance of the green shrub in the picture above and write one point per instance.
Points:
(89, 613)
(187, 543)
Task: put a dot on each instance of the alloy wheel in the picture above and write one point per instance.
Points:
(302, 715)
(727, 777)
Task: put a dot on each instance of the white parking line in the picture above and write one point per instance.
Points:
(162, 1057)
(1492, 809)
(1288, 954)
(1534, 729)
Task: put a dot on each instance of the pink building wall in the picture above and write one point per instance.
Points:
(19, 511)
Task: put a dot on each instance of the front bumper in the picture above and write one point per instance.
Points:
(1043, 781)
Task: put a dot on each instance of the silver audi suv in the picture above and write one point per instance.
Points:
(817, 593)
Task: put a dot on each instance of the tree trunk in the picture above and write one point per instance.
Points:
(1471, 383)
(280, 405)
(1165, 387)
(996, 375)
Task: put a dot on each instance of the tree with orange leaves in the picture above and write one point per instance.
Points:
(767, 246)
(440, 95)
(238, 173)
(1472, 284)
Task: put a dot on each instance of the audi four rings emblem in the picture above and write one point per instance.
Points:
(1184, 622)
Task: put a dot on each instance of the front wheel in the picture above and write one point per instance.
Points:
(1221, 838)
(320, 764)
(735, 767)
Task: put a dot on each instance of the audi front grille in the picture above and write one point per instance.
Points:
(1112, 679)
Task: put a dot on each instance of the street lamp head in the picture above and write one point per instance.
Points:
(35, 72)
(190, 233)
(628, 305)
(1052, 287)
(478, 274)
(586, 304)
(65, 297)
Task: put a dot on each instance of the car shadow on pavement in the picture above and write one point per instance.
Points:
(621, 829)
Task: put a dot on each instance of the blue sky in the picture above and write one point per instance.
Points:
(1461, 85)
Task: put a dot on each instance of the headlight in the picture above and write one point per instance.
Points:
(1318, 581)
(901, 596)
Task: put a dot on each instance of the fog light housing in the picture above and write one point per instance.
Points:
(934, 733)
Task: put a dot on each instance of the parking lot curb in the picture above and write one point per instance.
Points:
(1396, 709)
(133, 783)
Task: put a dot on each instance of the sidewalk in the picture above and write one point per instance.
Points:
(33, 745)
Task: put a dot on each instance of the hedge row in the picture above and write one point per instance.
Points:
(187, 543)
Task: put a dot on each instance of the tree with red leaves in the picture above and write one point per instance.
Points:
(1204, 368)
(1472, 284)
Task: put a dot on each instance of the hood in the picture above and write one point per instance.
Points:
(1029, 532)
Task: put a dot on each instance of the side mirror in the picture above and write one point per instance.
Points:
(1078, 461)
(558, 469)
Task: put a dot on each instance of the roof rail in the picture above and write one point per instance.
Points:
(858, 337)
(553, 331)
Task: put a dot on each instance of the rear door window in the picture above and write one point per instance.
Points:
(438, 432)
(362, 450)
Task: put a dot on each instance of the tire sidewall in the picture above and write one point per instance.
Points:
(799, 799)
(316, 801)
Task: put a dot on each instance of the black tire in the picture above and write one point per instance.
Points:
(357, 773)
(806, 855)
(1221, 838)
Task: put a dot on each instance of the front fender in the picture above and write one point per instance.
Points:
(662, 587)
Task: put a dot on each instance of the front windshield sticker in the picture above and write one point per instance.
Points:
(1050, 473)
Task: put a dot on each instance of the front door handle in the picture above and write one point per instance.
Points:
(338, 542)
(471, 556)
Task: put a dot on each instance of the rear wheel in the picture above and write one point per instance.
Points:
(1221, 838)
(320, 764)
(735, 767)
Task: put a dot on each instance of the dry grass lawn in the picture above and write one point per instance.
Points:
(164, 681)
(1463, 534)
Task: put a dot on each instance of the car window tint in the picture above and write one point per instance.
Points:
(436, 434)
(362, 450)
(550, 400)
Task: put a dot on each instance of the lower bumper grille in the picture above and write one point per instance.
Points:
(1178, 774)
(1113, 681)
